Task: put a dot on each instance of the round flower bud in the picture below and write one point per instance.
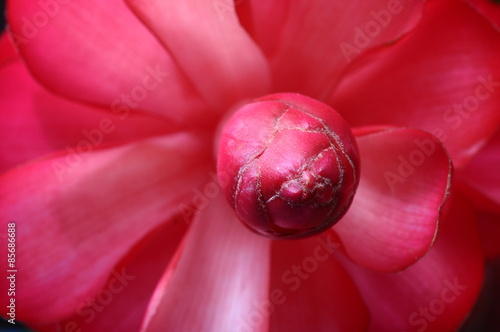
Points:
(288, 165)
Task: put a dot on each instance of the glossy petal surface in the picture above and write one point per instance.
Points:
(77, 215)
(132, 281)
(443, 77)
(210, 46)
(99, 52)
(480, 178)
(309, 44)
(393, 219)
(437, 292)
(221, 271)
(35, 122)
(310, 290)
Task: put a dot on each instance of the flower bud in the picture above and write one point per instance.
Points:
(288, 165)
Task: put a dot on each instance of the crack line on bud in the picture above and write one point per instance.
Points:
(326, 129)
(290, 177)
(255, 158)
(260, 196)
(318, 131)
(330, 133)
(303, 169)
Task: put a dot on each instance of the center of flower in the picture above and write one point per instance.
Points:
(288, 165)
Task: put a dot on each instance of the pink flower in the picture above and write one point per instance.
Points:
(111, 113)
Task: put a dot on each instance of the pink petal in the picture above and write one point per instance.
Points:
(487, 8)
(436, 293)
(99, 52)
(310, 43)
(49, 123)
(218, 56)
(310, 290)
(76, 215)
(481, 176)
(220, 276)
(404, 182)
(489, 228)
(138, 273)
(7, 50)
(443, 78)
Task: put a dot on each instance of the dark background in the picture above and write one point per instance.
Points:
(2, 17)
